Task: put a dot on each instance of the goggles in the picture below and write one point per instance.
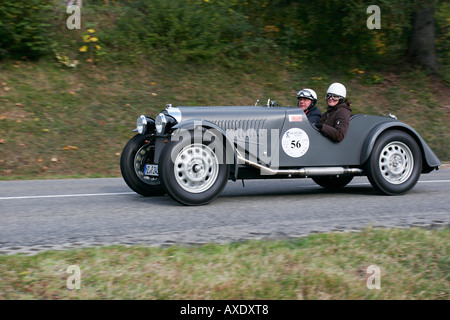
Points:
(305, 94)
(334, 97)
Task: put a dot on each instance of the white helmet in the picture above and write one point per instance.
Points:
(338, 89)
(308, 94)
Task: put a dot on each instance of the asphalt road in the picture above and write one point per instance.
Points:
(40, 215)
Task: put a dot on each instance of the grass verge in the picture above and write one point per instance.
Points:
(414, 264)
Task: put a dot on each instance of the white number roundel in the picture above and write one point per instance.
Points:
(295, 142)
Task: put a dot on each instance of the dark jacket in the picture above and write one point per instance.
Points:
(336, 121)
(313, 114)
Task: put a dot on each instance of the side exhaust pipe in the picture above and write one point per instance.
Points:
(304, 172)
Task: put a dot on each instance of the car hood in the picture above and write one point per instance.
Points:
(232, 117)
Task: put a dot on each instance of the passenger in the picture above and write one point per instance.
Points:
(307, 99)
(335, 121)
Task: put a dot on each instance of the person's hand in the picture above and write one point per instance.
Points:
(319, 125)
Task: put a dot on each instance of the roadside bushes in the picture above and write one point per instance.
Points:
(24, 28)
(220, 31)
(186, 30)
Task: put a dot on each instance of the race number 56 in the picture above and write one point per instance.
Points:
(295, 142)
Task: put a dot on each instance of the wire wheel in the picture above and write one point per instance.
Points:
(145, 156)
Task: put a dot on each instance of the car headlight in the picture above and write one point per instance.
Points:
(141, 124)
(160, 123)
(144, 125)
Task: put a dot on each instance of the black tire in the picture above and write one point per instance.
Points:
(395, 164)
(132, 166)
(333, 182)
(191, 173)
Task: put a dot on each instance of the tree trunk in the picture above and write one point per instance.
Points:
(421, 48)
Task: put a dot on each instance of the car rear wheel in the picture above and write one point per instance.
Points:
(333, 182)
(135, 155)
(395, 163)
(191, 173)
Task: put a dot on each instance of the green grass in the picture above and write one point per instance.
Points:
(58, 121)
(414, 265)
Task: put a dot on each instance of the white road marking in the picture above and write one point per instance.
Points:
(66, 195)
(430, 181)
(128, 193)
(433, 181)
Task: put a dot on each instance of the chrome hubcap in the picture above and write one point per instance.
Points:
(396, 162)
(196, 168)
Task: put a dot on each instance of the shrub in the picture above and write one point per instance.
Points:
(24, 28)
(185, 30)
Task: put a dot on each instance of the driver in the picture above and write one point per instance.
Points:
(307, 99)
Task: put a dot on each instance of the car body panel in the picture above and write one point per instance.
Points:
(239, 122)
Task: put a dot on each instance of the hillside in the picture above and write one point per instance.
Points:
(57, 121)
(69, 98)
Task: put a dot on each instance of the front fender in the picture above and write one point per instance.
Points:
(231, 154)
(431, 161)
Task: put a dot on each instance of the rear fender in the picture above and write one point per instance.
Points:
(430, 160)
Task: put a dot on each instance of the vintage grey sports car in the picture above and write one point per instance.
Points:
(190, 153)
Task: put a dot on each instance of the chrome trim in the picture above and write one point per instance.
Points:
(303, 172)
(174, 112)
(392, 116)
(160, 123)
(141, 124)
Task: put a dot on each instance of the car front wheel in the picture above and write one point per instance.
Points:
(395, 163)
(192, 173)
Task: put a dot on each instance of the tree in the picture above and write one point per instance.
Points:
(421, 47)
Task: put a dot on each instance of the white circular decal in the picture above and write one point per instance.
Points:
(295, 142)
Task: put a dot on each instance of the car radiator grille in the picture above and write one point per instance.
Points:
(244, 128)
